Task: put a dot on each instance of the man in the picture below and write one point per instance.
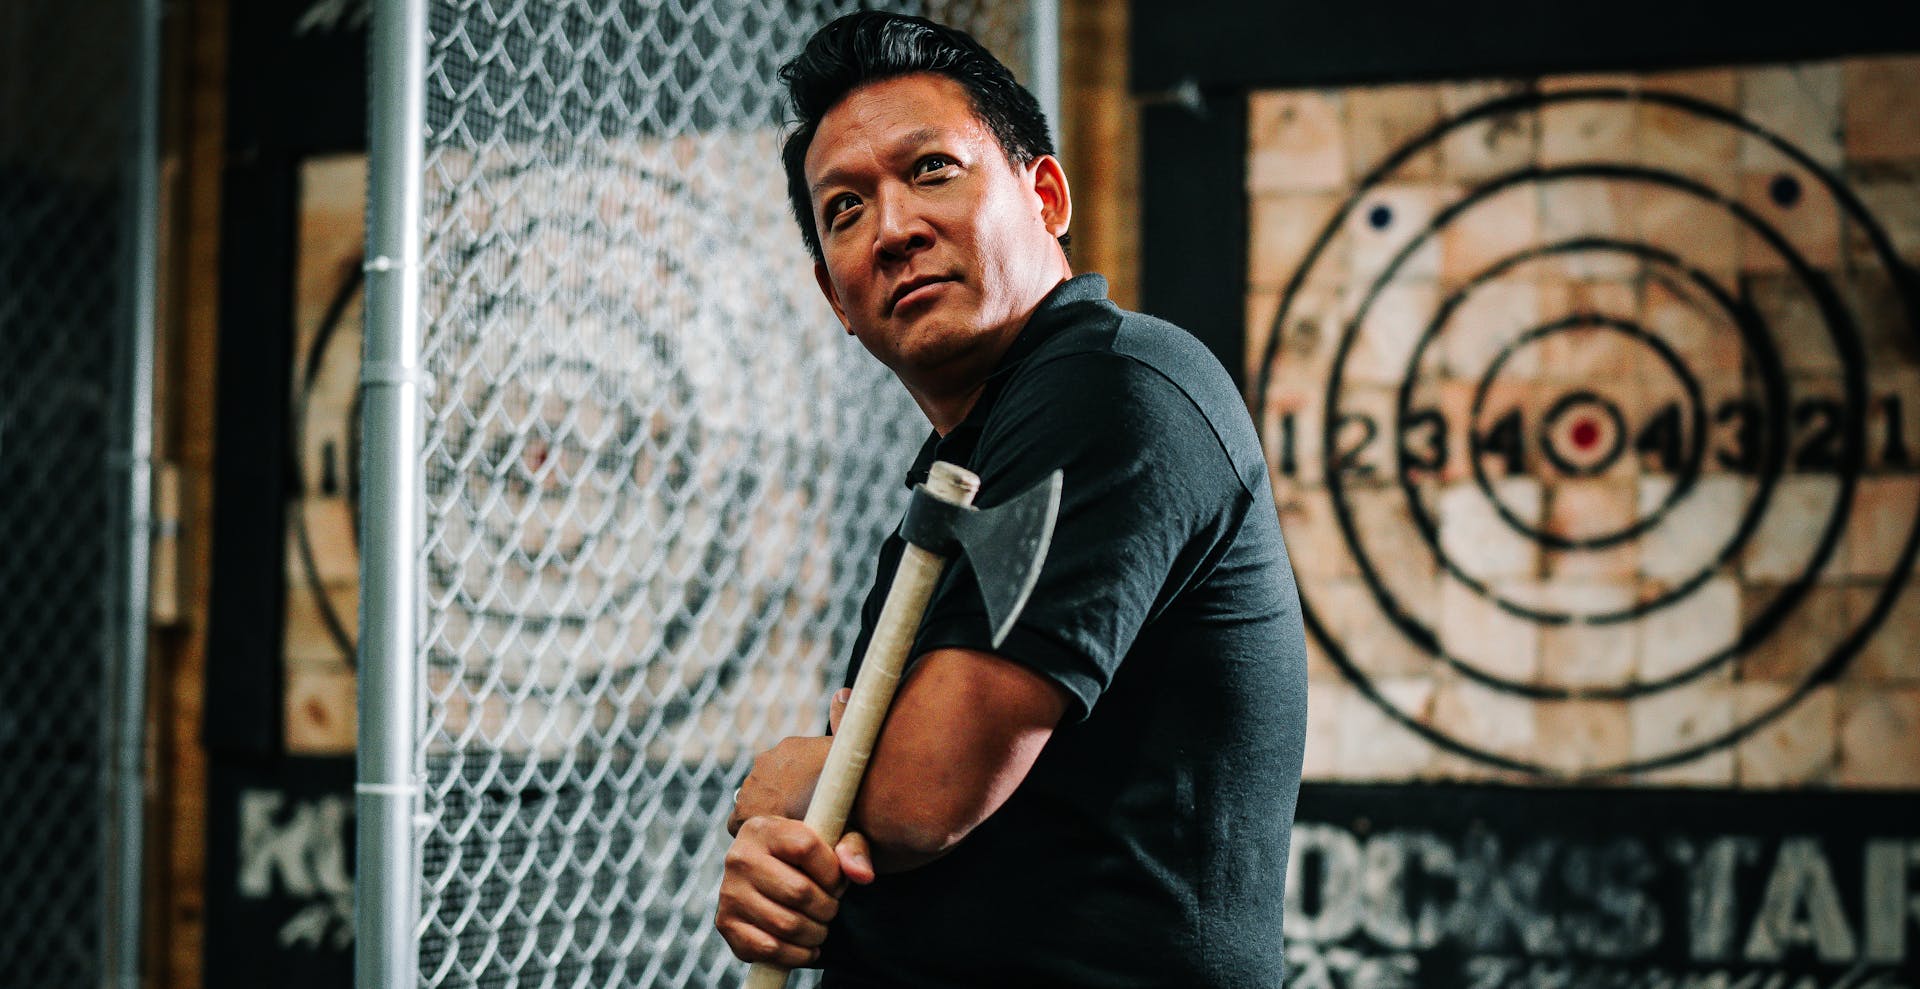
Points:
(1105, 798)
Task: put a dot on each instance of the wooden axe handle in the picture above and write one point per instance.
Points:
(873, 688)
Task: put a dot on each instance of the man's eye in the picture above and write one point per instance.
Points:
(839, 205)
(930, 164)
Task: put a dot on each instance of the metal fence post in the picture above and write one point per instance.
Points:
(386, 898)
(1043, 62)
(127, 705)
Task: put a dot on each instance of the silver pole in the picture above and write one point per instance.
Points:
(129, 676)
(1043, 58)
(386, 898)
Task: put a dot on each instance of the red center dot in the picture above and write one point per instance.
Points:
(1586, 433)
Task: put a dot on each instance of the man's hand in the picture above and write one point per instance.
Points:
(783, 884)
(782, 887)
(783, 777)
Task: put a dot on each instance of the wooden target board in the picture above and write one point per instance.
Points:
(1593, 410)
(322, 587)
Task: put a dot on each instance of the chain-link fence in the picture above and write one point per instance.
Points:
(655, 474)
(74, 283)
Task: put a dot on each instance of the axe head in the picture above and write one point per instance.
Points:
(1006, 544)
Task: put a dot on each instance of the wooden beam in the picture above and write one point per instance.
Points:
(1100, 143)
(188, 333)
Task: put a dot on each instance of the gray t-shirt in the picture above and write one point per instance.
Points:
(1148, 844)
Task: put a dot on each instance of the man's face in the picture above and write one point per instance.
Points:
(936, 247)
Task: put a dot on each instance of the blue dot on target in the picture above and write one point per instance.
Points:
(1785, 190)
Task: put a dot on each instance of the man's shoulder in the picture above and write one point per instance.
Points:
(1111, 358)
(1143, 342)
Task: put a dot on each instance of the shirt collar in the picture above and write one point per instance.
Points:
(1048, 319)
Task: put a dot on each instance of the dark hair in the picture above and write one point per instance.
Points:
(869, 46)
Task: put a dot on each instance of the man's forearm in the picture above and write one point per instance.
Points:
(891, 812)
(962, 734)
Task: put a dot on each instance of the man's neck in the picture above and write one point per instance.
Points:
(948, 409)
(947, 397)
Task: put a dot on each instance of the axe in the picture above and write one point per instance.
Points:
(1006, 545)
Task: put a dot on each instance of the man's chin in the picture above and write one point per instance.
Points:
(927, 349)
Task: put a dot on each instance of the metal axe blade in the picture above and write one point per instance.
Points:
(1006, 544)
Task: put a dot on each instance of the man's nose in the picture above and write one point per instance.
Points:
(902, 230)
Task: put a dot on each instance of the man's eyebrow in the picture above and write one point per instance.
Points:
(831, 178)
(911, 139)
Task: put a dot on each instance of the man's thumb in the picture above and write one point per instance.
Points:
(856, 859)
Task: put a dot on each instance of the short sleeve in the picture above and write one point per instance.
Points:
(1146, 485)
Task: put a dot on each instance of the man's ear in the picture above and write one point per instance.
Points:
(833, 297)
(1056, 201)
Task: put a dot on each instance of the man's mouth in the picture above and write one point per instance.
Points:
(914, 288)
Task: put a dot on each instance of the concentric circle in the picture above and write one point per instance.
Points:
(1760, 348)
(1705, 487)
(1583, 435)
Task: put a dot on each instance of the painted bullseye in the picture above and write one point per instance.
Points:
(1760, 349)
(1772, 458)
(1686, 471)
(1586, 434)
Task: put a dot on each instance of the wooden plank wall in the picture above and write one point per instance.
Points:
(188, 336)
(1100, 143)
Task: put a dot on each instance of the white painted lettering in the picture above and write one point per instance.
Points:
(267, 848)
(1801, 905)
(1625, 921)
(1891, 903)
(1335, 856)
(332, 15)
(1710, 892)
(307, 928)
(1500, 898)
(308, 851)
(329, 849)
(1490, 973)
(1402, 865)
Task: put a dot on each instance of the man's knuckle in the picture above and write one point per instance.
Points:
(793, 890)
(738, 940)
(789, 926)
(790, 844)
(767, 944)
